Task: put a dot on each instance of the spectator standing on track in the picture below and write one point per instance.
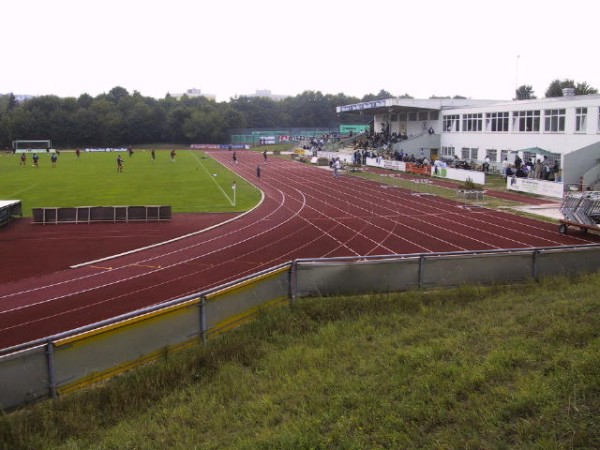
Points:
(258, 171)
(119, 163)
(265, 155)
(336, 168)
(234, 157)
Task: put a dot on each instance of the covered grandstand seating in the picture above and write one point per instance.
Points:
(9, 209)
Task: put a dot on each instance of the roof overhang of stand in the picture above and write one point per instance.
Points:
(538, 151)
(402, 104)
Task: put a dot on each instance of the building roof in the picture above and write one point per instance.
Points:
(405, 104)
(400, 104)
(539, 151)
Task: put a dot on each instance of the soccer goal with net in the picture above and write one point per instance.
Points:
(31, 146)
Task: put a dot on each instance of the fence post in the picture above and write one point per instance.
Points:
(293, 281)
(534, 268)
(421, 270)
(51, 371)
(203, 330)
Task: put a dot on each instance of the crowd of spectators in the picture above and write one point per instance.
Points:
(381, 142)
(545, 169)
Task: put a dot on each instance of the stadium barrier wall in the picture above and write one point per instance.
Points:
(68, 361)
(89, 214)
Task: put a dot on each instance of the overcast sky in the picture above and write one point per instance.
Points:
(478, 49)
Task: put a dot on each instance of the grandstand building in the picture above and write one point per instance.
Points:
(565, 129)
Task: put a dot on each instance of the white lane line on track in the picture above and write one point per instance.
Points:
(70, 294)
(367, 213)
(411, 205)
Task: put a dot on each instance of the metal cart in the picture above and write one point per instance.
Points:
(580, 209)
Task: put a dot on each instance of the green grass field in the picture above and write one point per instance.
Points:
(193, 183)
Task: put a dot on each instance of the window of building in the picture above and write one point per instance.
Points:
(503, 154)
(412, 117)
(580, 120)
(492, 153)
(386, 118)
(452, 121)
(554, 120)
(394, 118)
(472, 122)
(469, 154)
(422, 115)
(496, 122)
(447, 151)
(526, 121)
(433, 115)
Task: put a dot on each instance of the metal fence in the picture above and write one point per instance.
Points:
(92, 214)
(74, 359)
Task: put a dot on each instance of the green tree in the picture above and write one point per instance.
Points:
(524, 92)
(111, 129)
(556, 87)
(382, 95)
(260, 112)
(585, 89)
(117, 94)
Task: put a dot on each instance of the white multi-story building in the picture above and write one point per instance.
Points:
(191, 93)
(265, 93)
(566, 129)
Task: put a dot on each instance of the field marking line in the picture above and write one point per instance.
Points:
(13, 194)
(230, 200)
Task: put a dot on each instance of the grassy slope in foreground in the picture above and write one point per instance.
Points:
(474, 367)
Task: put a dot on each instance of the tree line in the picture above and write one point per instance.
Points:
(118, 118)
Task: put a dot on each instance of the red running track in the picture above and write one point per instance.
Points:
(306, 212)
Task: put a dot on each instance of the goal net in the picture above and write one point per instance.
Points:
(31, 146)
